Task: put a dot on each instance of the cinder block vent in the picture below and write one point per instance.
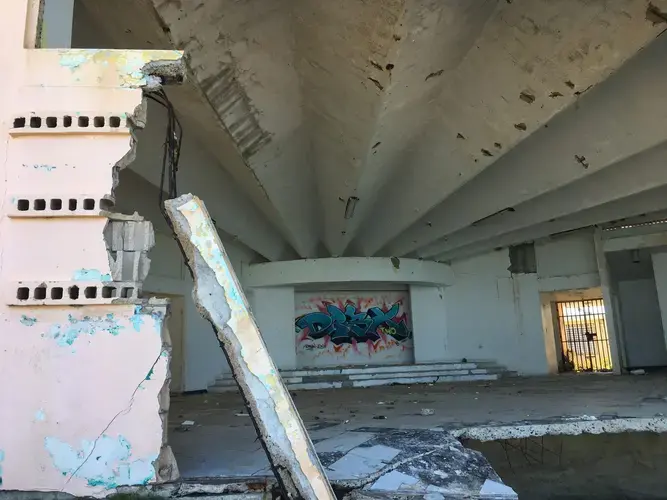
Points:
(82, 205)
(66, 123)
(67, 293)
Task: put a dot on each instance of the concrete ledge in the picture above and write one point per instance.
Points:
(562, 427)
(347, 269)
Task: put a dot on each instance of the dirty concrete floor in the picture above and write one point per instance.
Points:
(224, 444)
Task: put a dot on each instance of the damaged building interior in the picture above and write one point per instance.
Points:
(445, 243)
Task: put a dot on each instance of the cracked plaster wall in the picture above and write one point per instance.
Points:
(496, 315)
(83, 400)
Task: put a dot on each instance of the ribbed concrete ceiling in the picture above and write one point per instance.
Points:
(431, 128)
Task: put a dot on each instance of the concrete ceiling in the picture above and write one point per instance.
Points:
(429, 128)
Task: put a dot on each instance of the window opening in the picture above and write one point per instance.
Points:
(584, 338)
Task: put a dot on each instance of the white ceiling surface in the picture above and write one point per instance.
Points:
(434, 114)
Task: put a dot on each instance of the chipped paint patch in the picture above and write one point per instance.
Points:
(140, 311)
(213, 255)
(137, 318)
(105, 463)
(48, 168)
(90, 275)
(40, 416)
(28, 321)
(128, 64)
(72, 61)
(66, 334)
(2, 459)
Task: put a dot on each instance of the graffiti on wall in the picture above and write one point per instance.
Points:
(338, 326)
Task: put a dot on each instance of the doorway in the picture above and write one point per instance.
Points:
(584, 339)
(639, 317)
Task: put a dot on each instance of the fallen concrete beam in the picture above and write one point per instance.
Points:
(220, 300)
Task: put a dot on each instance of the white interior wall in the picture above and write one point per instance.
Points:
(429, 323)
(642, 325)
(659, 262)
(487, 314)
(203, 358)
(633, 282)
(273, 309)
(567, 262)
(494, 315)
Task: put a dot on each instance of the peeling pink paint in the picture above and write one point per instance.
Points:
(79, 406)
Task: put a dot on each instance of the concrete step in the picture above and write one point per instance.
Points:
(356, 370)
(398, 372)
(372, 376)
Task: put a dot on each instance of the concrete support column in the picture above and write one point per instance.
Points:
(660, 271)
(531, 348)
(610, 305)
(273, 309)
(57, 24)
(429, 324)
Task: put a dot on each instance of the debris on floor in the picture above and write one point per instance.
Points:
(185, 426)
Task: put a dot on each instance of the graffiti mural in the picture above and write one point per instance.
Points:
(346, 329)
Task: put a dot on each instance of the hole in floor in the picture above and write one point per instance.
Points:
(606, 466)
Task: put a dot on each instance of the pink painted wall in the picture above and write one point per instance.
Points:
(353, 328)
(80, 410)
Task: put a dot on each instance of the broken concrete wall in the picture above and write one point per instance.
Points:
(84, 362)
(136, 192)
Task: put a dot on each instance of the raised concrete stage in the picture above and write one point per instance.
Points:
(372, 376)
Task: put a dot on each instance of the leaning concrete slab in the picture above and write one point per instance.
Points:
(220, 299)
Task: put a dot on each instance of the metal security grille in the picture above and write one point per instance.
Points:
(583, 336)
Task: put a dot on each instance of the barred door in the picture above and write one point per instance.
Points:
(583, 336)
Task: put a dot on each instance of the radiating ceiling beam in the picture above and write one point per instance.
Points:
(435, 196)
(634, 175)
(644, 203)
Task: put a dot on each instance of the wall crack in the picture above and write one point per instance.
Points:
(124, 411)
